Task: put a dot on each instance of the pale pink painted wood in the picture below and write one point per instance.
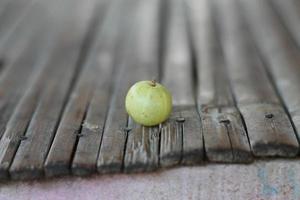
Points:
(276, 179)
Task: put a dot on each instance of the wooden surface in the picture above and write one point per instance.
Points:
(232, 66)
(254, 93)
(142, 148)
(224, 135)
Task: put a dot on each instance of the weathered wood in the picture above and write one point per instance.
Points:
(114, 135)
(13, 42)
(142, 148)
(224, 135)
(177, 62)
(103, 55)
(277, 50)
(21, 65)
(60, 117)
(290, 16)
(192, 147)
(253, 89)
(238, 137)
(237, 134)
(59, 158)
(280, 54)
(265, 120)
(113, 145)
(20, 119)
(248, 77)
(15, 13)
(171, 140)
(41, 40)
(62, 69)
(216, 139)
(37, 35)
(217, 142)
(180, 143)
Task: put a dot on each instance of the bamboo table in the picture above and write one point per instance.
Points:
(232, 66)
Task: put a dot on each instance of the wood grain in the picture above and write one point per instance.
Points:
(277, 50)
(237, 135)
(130, 70)
(32, 152)
(216, 139)
(104, 56)
(248, 77)
(23, 68)
(251, 86)
(179, 142)
(265, 120)
(217, 142)
(59, 158)
(171, 141)
(19, 64)
(224, 135)
(22, 114)
(232, 67)
(142, 148)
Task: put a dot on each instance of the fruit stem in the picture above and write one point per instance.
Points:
(153, 83)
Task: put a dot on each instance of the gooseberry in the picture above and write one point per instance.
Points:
(148, 103)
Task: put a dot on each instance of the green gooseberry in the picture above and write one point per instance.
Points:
(148, 103)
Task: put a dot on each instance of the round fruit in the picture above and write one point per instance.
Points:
(148, 103)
